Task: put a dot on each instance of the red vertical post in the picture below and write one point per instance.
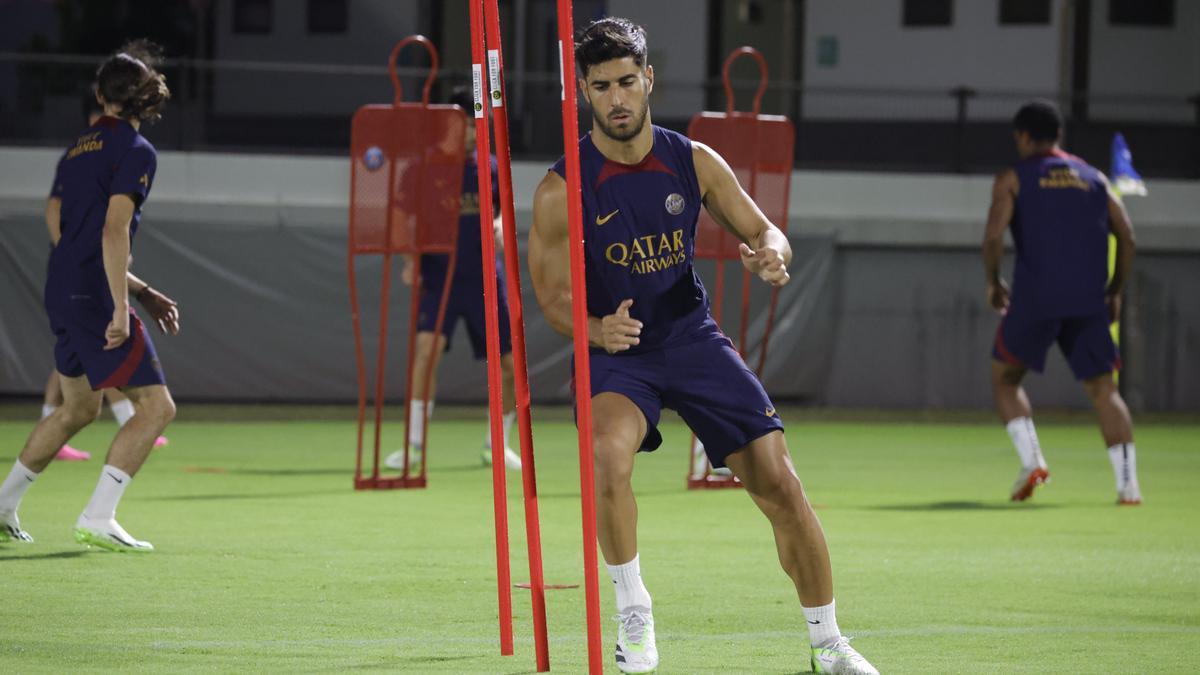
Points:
(492, 320)
(516, 320)
(583, 379)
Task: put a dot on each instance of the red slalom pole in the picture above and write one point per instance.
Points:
(516, 322)
(583, 378)
(492, 320)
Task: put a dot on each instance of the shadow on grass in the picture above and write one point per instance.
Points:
(414, 662)
(60, 555)
(962, 506)
(289, 472)
(245, 495)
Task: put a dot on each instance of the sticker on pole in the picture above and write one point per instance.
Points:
(477, 82)
(562, 74)
(494, 78)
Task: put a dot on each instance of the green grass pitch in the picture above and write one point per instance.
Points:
(268, 561)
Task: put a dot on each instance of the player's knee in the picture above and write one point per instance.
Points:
(1007, 376)
(76, 416)
(1099, 388)
(613, 462)
(160, 408)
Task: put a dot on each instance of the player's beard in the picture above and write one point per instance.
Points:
(635, 128)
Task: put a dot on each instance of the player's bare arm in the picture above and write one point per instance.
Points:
(549, 266)
(1122, 230)
(765, 249)
(115, 245)
(53, 215)
(162, 309)
(1000, 213)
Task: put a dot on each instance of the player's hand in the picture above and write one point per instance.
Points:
(1113, 302)
(163, 310)
(408, 273)
(998, 296)
(118, 329)
(766, 263)
(619, 331)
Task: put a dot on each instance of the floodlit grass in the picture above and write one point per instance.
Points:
(267, 560)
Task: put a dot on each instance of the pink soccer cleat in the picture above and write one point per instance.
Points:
(68, 454)
(160, 441)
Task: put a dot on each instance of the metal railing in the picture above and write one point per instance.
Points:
(288, 107)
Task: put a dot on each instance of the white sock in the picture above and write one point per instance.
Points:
(509, 419)
(14, 487)
(109, 489)
(1025, 440)
(631, 592)
(418, 413)
(822, 625)
(122, 410)
(48, 410)
(1124, 463)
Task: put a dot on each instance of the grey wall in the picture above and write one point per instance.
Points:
(1143, 64)
(266, 317)
(885, 310)
(374, 27)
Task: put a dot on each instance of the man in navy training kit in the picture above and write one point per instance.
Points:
(1061, 211)
(162, 309)
(101, 343)
(654, 342)
(465, 303)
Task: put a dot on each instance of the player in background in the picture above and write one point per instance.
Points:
(1061, 211)
(161, 308)
(103, 184)
(654, 342)
(465, 303)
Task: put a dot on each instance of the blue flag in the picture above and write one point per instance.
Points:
(1125, 179)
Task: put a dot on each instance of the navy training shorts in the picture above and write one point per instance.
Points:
(706, 382)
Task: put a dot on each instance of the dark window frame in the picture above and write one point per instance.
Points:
(242, 24)
(913, 16)
(340, 26)
(1019, 12)
(1123, 13)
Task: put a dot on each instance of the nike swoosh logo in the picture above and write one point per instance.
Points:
(814, 622)
(115, 478)
(605, 219)
(28, 479)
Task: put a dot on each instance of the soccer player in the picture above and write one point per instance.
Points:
(465, 303)
(161, 308)
(103, 184)
(1061, 211)
(654, 342)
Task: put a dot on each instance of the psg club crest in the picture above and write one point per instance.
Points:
(373, 158)
(674, 203)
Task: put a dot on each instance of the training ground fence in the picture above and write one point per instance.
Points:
(288, 107)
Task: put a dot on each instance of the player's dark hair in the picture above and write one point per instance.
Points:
(89, 105)
(130, 78)
(464, 97)
(1040, 119)
(610, 38)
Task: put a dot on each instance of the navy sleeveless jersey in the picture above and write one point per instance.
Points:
(469, 250)
(110, 158)
(1060, 227)
(639, 224)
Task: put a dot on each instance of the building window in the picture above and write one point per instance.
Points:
(252, 16)
(1024, 12)
(1154, 13)
(926, 13)
(328, 16)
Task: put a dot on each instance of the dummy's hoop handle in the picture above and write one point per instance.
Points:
(762, 77)
(433, 68)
